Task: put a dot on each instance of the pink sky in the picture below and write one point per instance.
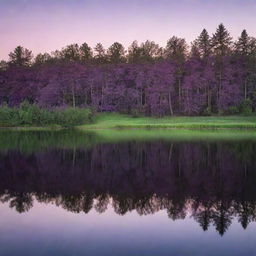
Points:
(44, 26)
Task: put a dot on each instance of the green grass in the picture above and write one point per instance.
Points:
(115, 121)
(120, 121)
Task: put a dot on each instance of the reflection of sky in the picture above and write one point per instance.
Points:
(51, 24)
(49, 230)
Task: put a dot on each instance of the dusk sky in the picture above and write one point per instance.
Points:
(44, 26)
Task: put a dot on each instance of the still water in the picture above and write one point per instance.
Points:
(127, 193)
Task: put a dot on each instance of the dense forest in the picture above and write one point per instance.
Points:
(213, 75)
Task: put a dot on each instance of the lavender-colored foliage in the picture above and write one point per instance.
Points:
(147, 80)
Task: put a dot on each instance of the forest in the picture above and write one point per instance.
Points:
(213, 75)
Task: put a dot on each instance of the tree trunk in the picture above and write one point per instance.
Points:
(91, 91)
(85, 98)
(170, 103)
(245, 89)
(219, 88)
(73, 97)
(179, 89)
(104, 85)
(63, 97)
(102, 97)
(209, 99)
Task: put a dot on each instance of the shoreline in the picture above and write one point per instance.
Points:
(114, 121)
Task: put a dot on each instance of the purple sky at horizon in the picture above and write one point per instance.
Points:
(44, 26)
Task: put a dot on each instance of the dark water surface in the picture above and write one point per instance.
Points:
(127, 193)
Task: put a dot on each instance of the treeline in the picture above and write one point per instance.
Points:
(215, 75)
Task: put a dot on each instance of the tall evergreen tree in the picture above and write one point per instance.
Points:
(221, 46)
(221, 41)
(242, 45)
(203, 43)
(242, 48)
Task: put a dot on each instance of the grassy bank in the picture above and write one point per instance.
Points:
(115, 121)
(31, 117)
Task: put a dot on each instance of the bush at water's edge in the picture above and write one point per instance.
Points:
(32, 115)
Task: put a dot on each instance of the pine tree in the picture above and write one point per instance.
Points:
(242, 46)
(221, 41)
(204, 44)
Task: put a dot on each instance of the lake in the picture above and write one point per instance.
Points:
(137, 192)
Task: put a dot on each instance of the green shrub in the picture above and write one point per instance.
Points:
(135, 113)
(48, 117)
(71, 116)
(246, 107)
(29, 114)
(5, 115)
(32, 115)
(206, 112)
(233, 110)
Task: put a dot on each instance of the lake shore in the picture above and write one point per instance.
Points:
(120, 121)
(103, 121)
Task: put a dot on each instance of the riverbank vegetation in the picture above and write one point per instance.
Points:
(32, 115)
(216, 75)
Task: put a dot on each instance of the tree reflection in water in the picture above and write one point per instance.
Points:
(214, 182)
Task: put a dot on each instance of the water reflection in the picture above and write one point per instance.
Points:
(211, 181)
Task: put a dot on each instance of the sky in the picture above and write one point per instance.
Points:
(47, 25)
